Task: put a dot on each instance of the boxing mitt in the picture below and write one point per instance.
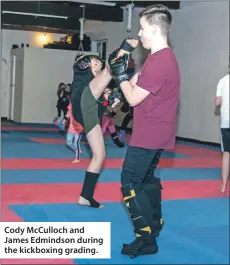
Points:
(82, 62)
(118, 67)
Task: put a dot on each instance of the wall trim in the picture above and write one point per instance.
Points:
(129, 130)
(195, 141)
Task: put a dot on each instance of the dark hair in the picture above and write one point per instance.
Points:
(60, 89)
(90, 56)
(158, 15)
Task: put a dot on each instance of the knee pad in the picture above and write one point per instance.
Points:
(153, 192)
(139, 209)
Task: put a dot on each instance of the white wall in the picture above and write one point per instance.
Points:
(200, 39)
(43, 70)
(8, 38)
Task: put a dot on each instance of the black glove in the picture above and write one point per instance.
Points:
(113, 95)
(125, 107)
(82, 62)
(118, 67)
(126, 46)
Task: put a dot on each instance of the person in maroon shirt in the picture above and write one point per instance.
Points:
(154, 94)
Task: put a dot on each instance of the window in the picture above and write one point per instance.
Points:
(101, 48)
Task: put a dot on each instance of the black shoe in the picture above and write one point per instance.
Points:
(116, 140)
(140, 247)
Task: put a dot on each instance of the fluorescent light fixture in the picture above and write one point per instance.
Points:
(100, 3)
(32, 14)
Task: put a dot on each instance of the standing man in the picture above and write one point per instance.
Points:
(154, 94)
(222, 100)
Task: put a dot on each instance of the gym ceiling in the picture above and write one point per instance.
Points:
(63, 16)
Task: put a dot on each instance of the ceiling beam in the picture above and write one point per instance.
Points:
(142, 4)
(63, 24)
(104, 13)
(39, 29)
(94, 12)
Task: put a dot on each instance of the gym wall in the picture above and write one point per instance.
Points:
(8, 38)
(200, 39)
(37, 76)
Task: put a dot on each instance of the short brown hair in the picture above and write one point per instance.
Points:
(158, 15)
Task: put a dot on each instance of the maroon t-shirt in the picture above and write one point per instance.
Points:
(155, 118)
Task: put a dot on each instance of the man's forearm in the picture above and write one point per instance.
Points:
(127, 90)
(133, 80)
(100, 82)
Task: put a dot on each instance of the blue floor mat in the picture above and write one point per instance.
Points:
(192, 235)
(33, 125)
(5, 132)
(33, 134)
(107, 175)
(22, 149)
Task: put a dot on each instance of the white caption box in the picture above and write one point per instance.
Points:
(71, 240)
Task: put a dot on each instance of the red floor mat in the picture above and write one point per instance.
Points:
(52, 140)
(38, 163)
(68, 193)
(9, 216)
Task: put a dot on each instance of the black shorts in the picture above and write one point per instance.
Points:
(225, 140)
(139, 165)
(85, 109)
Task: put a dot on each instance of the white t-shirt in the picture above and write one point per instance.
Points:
(223, 92)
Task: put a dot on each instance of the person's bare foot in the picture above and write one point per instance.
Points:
(75, 161)
(83, 202)
(223, 188)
